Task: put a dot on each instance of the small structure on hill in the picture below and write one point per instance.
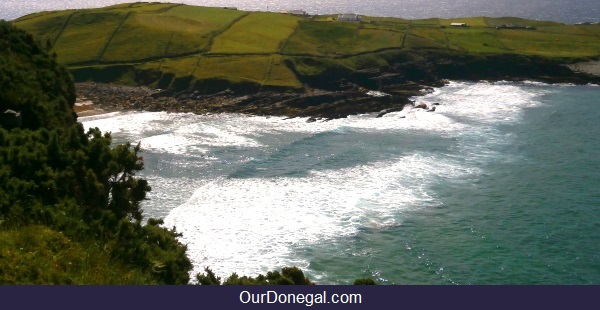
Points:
(459, 25)
(230, 8)
(506, 26)
(349, 17)
(295, 12)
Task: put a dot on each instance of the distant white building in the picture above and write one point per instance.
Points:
(295, 12)
(459, 25)
(349, 17)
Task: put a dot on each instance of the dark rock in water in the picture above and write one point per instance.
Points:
(432, 109)
(11, 119)
(382, 113)
(311, 120)
(420, 106)
(386, 111)
(435, 103)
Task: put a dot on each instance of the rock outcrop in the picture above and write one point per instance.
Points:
(317, 104)
(334, 94)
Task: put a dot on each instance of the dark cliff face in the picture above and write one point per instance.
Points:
(405, 67)
(334, 92)
(431, 68)
(32, 83)
(509, 67)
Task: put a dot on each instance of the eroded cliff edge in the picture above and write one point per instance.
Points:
(334, 93)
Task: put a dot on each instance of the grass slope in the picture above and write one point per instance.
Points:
(256, 33)
(39, 255)
(179, 30)
(216, 43)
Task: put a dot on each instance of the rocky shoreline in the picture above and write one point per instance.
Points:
(334, 95)
(313, 104)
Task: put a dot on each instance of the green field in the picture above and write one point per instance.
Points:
(82, 40)
(323, 38)
(479, 40)
(426, 37)
(178, 30)
(46, 25)
(256, 33)
(549, 44)
(264, 70)
(238, 46)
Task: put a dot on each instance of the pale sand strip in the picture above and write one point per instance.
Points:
(589, 67)
(86, 108)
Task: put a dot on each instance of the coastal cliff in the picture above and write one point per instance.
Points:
(211, 60)
(378, 90)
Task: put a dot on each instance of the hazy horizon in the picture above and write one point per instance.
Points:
(556, 10)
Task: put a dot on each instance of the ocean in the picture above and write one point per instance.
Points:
(500, 185)
(565, 11)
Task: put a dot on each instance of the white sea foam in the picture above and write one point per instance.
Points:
(484, 102)
(251, 223)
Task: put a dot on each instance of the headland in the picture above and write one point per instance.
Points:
(179, 58)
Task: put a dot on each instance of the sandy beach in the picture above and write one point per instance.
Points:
(85, 107)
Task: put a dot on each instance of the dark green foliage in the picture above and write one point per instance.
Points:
(154, 249)
(53, 173)
(296, 275)
(287, 276)
(364, 281)
(28, 77)
(209, 278)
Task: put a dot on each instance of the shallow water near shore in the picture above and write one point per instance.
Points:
(498, 186)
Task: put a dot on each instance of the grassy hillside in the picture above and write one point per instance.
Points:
(69, 200)
(161, 44)
(40, 255)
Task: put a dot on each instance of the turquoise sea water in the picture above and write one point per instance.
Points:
(500, 185)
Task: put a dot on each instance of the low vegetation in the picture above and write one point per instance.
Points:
(70, 199)
(287, 276)
(165, 44)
